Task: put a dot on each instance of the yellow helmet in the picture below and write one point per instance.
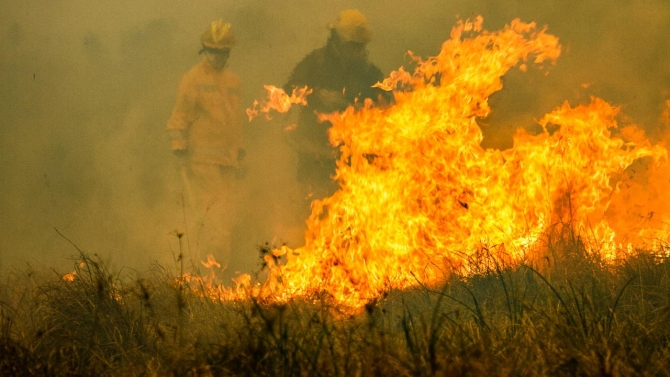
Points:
(351, 25)
(218, 36)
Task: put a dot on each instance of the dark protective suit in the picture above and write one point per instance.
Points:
(324, 69)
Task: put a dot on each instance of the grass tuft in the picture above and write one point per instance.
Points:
(568, 314)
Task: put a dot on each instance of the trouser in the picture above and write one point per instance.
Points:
(316, 182)
(213, 195)
(315, 175)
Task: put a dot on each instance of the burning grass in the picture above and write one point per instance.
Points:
(571, 315)
(419, 195)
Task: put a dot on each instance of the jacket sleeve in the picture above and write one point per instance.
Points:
(376, 94)
(302, 74)
(182, 115)
(310, 72)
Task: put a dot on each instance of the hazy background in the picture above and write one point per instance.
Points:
(87, 86)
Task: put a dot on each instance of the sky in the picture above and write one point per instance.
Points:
(87, 86)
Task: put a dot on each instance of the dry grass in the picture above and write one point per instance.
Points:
(574, 316)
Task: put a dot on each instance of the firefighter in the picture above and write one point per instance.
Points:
(340, 75)
(205, 131)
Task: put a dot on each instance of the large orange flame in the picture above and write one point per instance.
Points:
(419, 197)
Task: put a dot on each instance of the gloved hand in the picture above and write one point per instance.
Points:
(180, 161)
(180, 152)
(332, 100)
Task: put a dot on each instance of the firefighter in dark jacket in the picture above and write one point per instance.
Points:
(340, 75)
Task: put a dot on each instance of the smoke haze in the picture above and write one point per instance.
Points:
(87, 88)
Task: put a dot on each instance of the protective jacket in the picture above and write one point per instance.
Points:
(323, 69)
(206, 120)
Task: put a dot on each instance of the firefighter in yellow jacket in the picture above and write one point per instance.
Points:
(206, 135)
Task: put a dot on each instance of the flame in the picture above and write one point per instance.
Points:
(72, 275)
(420, 198)
(279, 101)
(211, 262)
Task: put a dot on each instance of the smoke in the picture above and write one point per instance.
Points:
(87, 87)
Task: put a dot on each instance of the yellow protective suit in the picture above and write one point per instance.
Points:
(206, 119)
(207, 123)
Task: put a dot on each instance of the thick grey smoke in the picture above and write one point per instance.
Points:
(87, 86)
